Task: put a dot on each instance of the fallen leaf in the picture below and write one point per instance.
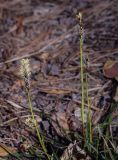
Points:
(56, 91)
(110, 69)
(69, 153)
(5, 150)
(60, 123)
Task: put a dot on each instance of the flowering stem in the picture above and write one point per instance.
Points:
(82, 74)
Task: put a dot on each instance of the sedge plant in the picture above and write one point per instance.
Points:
(82, 73)
(25, 72)
(84, 87)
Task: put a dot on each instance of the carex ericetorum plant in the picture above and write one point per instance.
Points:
(25, 72)
(84, 86)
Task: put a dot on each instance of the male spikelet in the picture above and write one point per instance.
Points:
(79, 17)
(25, 72)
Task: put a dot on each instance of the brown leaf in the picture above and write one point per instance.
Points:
(5, 150)
(56, 91)
(70, 151)
(110, 69)
(60, 123)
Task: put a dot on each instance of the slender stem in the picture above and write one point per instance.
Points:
(36, 125)
(89, 111)
(82, 77)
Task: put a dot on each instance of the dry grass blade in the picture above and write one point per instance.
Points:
(68, 153)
